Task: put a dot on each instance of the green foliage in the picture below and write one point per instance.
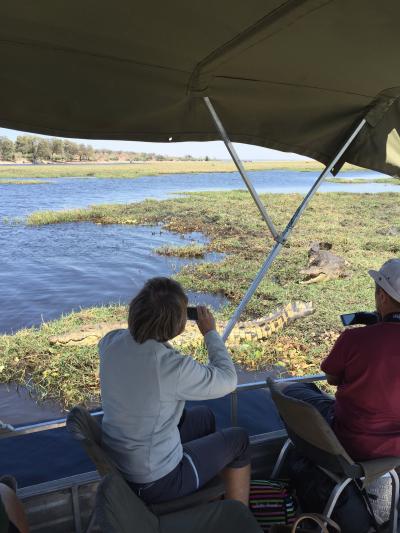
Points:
(43, 150)
(35, 149)
(71, 150)
(57, 149)
(25, 144)
(7, 149)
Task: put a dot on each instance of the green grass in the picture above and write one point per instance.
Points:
(391, 181)
(21, 182)
(356, 224)
(42, 218)
(68, 375)
(189, 251)
(151, 168)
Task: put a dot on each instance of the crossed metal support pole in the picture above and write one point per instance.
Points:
(240, 167)
(280, 239)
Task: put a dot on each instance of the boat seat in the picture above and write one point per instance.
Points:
(119, 510)
(213, 490)
(313, 438)
(84, 428)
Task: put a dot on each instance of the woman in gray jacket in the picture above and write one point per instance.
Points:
(163, 450)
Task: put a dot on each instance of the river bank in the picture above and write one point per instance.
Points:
(151, 168)
(361, 228)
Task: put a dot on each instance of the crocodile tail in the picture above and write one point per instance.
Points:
(299, 309)
(262, 328)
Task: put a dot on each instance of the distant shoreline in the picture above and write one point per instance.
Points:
(148, 168)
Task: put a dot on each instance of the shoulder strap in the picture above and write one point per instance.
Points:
(320, 520)
(392, 317)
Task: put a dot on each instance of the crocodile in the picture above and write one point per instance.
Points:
(323, 265)
(250, 330)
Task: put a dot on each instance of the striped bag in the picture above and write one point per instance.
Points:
(272, 502)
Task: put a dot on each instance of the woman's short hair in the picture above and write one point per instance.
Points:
(158, 312)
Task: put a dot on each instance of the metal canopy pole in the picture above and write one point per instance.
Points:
(285, 234)
(240, 167)
(280, 240)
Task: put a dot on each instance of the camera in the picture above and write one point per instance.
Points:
(367, 318)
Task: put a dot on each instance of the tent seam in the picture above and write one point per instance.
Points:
(270, 82)
(219, 52)
(71, 51)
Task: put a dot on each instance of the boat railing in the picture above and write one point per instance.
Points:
(60, 422)
(309, 378)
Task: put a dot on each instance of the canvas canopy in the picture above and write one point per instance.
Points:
(295, 75)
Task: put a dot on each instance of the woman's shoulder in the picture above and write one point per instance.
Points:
(121, 339)
(167, 355)
(113, 337)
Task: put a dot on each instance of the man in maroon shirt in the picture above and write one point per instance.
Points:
(364, 364)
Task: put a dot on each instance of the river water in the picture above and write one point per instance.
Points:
(50, 270)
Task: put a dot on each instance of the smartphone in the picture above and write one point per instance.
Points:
(192, 313)
(348, 319)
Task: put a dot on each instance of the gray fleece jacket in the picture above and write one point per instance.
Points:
(143, 391)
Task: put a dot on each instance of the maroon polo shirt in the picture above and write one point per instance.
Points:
(367, 409)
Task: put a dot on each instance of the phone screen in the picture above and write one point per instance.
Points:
(347, 319)
(192, 313)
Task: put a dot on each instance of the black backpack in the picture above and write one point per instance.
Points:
(313, 488)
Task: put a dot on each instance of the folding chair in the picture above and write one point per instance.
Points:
(313, 437)
(87, 431)
(119, 510)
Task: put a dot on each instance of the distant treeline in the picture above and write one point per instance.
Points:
(37, 149)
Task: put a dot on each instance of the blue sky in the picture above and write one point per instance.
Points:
(196, 149)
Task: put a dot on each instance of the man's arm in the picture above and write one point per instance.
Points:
(332, 380)
(335, 363)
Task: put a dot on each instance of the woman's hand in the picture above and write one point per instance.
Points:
(205, 320)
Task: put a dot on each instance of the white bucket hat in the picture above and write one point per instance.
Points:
(388, 278)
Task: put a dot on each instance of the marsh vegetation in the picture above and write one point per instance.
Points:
(149, 168)
(362, 228)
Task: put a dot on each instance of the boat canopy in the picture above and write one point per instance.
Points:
(295, 75)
